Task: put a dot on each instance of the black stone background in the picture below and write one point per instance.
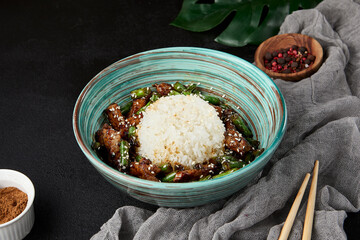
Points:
(49, 50)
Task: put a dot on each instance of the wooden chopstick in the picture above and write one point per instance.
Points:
(285, 231)
(309, 217)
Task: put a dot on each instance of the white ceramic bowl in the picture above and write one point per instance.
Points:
(20, 226)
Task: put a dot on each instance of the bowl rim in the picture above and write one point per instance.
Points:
(138, 182)
(30, 199)
(290, 76)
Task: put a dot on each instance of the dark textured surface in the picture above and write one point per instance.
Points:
(49, 51)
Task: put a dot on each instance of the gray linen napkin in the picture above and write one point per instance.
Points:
(323, 124)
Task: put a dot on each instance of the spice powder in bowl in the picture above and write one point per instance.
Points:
(12, 203)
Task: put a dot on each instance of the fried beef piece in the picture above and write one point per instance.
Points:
(229, 125)
(163, 88)
(110, 138)
(144, 169)
(226, 114)
(234, 141)
(137, 104)
(219, 110)
(134, 120)
(116, 119)
(195, 174)
(233, 138)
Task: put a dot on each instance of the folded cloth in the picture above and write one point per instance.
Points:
(323, 124)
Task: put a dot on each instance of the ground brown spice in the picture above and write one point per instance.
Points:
(12, 202)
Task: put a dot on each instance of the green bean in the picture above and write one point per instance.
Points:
(225, 173)
(226, 165)
(143, 108)
(139, 93)
(166, 168)
(224, 106)
(241, 125)
(179, 87)
(96, 145)
(124, 153)
(173, 92)
(126, 108)
(258, 152)
(154, 97)
(212, 99)
(138, 158)
(253, 142)
(207, 177)
(249, 157)
(191, 87)
(196, 92)
(169, 177)
(131, 131)
(220, 159)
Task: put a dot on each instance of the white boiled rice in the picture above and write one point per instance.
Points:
(181, 130)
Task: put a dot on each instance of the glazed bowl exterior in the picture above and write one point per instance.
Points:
(20, 226)
(246, 88)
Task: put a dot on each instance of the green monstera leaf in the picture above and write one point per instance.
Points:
(253, 20)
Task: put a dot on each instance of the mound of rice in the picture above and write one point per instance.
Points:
(180, 130)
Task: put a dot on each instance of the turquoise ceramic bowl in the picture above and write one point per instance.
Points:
(246, 88)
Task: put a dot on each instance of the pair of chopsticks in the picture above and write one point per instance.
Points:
(309, 217)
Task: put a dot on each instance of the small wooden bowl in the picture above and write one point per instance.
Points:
(285, 41)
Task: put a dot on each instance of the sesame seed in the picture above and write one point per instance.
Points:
(201, 176)
(152, 172)
(223, 96)
(149, 168)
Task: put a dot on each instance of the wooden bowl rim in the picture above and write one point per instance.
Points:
(291, 76)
